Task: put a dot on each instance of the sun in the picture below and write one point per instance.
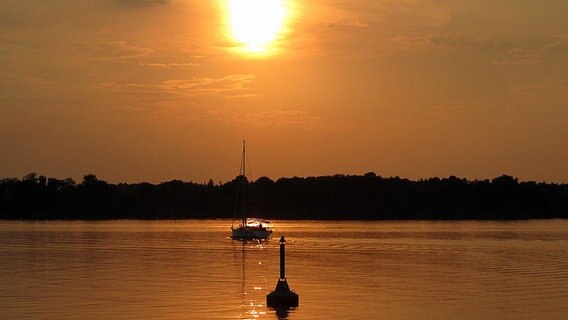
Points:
(256, 25)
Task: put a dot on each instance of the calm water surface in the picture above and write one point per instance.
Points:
(342, 270)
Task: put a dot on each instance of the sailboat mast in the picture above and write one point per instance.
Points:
(244, 181)
(244, 158)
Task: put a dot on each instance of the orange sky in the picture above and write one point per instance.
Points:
(151, 90)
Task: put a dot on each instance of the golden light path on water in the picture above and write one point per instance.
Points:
(256, 26)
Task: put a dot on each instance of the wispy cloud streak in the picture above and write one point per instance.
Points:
(194, 86)
(115, 50)
(556, 48)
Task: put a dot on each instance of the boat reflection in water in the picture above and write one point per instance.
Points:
(250, 308)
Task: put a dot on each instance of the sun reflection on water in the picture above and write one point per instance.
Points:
(247, 254)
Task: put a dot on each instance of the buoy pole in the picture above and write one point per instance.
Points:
(282, 296)
(282, 258)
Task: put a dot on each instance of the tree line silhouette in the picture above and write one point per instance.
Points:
(327, 197)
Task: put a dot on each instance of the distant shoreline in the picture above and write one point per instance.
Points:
(279, 219)
(339, 197)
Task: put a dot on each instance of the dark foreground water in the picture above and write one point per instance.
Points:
(342, 270)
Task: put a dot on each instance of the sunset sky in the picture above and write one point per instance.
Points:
(152, 90)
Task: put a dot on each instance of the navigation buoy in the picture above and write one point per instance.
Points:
(282, 296)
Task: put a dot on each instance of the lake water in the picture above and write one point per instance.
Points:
(342, 270)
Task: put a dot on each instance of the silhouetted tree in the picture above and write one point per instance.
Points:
(327, 197)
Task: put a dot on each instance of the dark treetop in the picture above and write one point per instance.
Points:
(328, 197)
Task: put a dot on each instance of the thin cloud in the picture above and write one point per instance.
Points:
(194, 86)
(169, 65)
(294, 118)
(351, 24)
(556, 48)
(115, 50)
(545, 91)
(141, 3)
(414, 42)
(246, 95)
(15, 47)
(444, 41)
(210, 85)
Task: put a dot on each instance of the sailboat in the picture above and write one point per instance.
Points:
(247, 229)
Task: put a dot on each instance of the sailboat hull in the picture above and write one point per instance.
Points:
(250, 232)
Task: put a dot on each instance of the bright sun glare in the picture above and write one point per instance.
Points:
(256, 24)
